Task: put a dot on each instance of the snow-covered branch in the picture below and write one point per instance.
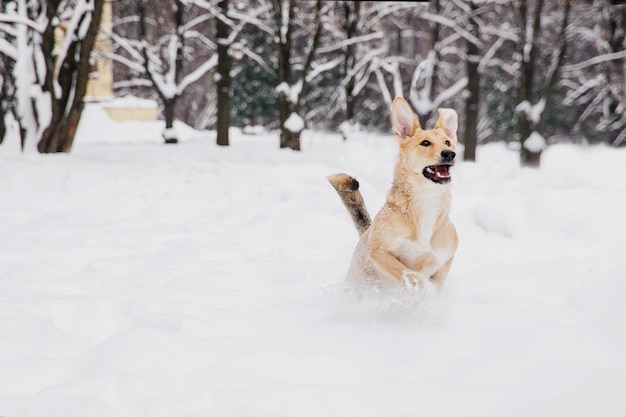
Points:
(196, 74)
(595, 61)
(351, 41)
(454, 25)
(76, 29)
(533, 112)
(253, 20)
(317, 69)
(22, 20)
(8, 49)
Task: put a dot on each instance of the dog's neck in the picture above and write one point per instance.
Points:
(414, 194)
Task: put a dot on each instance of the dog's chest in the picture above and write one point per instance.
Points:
(426, 211)
(420, 241)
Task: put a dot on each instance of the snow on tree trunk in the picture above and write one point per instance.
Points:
(530, 115)
(162, 59)
(526, 125)
(533, 147)
(66, 81)
(169, 134)
(294, 123)
(49, 71)
(24, 70)
(291, 86)
(352, 13)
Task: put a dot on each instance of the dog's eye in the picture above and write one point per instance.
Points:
(448, 143)
(425, 143)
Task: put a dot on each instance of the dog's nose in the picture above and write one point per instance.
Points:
(448, 155)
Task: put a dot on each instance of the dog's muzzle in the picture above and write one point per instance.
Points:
(440, 173)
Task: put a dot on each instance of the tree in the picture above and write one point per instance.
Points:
(362, 41)
(66, 79)
(615, 73)
(229, 24)
(472, 98)
(289, 15)
(163, 50)
(254, 101)
(423, 56)
(530, 108)
(595, 82)
(224, 79)
(49, 73)
(351, 17)
(353, 40)
(7, 93)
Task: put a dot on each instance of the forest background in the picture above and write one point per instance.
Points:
(515, 71)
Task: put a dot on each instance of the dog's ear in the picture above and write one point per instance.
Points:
(448, 121)
(403, 121)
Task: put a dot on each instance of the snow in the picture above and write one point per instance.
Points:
(169, 133)
(138, 279)
(130, 102)
(535, 143)
(8, 49)
(350, 129)
(284, 21)
(294, 123)
(533, 112)
(291, 92)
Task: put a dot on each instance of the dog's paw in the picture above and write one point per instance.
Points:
(413, 281)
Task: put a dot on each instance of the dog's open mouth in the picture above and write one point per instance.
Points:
(438, 173)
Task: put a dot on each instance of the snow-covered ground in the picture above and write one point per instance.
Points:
(139, 279)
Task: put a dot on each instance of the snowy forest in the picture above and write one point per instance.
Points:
(188, 257)
(516, 71)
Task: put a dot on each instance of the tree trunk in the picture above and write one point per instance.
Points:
(287, 103)
(473, 89)
(527, 74)
(530, 159)
(287, 138)
(352, 15)
(72, 78)
(169, 134)
(224, 82)
(168, 100)
(3, 112)
(434, 77)
(615, 73)
(4, 93)
(3, 129)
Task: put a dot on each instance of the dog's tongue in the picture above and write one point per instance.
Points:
(442, 171)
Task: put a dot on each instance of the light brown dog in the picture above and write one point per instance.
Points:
(411, 239)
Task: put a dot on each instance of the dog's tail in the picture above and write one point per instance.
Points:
(348, 189)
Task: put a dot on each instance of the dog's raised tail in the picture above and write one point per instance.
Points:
(348, 189)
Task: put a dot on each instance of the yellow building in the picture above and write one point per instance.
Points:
(100, 84)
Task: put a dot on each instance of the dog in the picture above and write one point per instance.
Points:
(411, 240)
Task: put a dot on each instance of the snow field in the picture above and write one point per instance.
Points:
(138, 279)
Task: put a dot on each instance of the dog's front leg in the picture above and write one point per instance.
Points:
(440, 276)
(391, 267)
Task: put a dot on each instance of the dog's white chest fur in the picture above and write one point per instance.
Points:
(420, 241)
(430, 205)
(426, 222)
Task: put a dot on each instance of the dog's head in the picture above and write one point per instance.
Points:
(427, 153)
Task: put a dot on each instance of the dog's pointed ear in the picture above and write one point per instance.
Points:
(448, 121)
(403, 121)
